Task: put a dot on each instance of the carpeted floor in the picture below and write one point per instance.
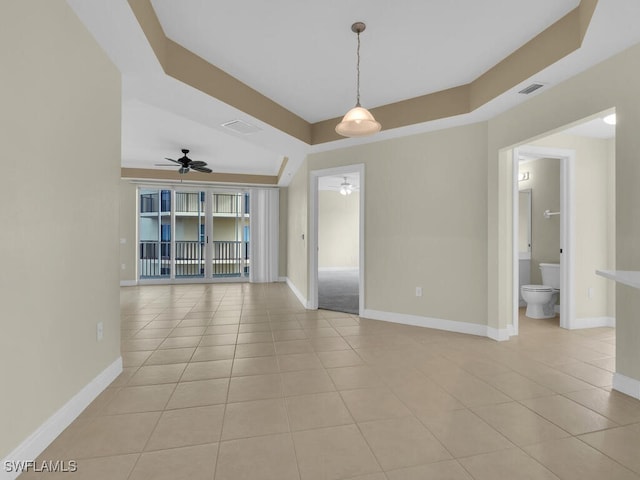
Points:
(338, 290)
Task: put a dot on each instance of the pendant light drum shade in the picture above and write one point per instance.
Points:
(358, 122)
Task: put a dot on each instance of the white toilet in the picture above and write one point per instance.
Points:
(541, 299)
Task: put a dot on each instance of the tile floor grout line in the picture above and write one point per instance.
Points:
(293, 443)
(578, 437)
(226, 402)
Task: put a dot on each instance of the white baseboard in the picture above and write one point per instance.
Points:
(46, 433)
(500, 334)
(593, 322)
(338, 269)
(438, 324)
(297, 293)
(128, 283)
(626, 385)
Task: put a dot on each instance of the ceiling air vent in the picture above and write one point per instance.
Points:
(531, 88)
(241, 127)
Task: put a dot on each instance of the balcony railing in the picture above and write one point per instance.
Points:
(193, 202)
(230, 259)
(155, 259)
(189, 259)
(226, 203)
(150, 201)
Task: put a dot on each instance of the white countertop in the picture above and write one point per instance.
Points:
(630, 278)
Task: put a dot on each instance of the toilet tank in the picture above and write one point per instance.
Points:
(550, 274)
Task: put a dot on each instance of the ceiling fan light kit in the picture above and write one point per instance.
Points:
(358, 122)
(346, 188)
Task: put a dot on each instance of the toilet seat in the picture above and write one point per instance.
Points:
(538, 288)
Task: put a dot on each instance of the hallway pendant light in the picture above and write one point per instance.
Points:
(358, 122)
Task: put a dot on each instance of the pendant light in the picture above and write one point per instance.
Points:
(358, 122)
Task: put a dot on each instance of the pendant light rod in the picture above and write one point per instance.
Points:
(358, 28)
(358, 122)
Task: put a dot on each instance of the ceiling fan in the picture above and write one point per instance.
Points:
(187, 164)
(345, 188)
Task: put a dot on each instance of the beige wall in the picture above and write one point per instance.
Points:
(425, 222)
(544, 182)
(338, 229)
(60, 100)
(187, 228)
(609, 84)
(297, 234)
(225, 229)
(611, 224)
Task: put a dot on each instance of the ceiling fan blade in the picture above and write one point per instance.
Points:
(201, 169)
(172, 160)
(197, 163)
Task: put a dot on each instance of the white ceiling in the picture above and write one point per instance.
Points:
(302, 55)
(172, 132)
(595, 128)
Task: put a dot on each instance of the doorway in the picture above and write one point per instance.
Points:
(586, 217)
(338, 242)
(566, 158)
(336, 273)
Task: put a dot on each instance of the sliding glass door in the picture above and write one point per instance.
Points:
(155, 233)
(230, 234)
(187, 234)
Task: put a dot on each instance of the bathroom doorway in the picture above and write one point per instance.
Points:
(539, 220)
(554, 205)
(586, 219)
(336, 243)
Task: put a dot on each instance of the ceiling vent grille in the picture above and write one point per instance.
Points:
(531, 88)
(241, 127)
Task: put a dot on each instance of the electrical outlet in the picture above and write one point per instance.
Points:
(418, 291)
(590, 292)
(99, 331)
(123, 266)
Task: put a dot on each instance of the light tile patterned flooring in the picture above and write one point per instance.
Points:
(237, 381)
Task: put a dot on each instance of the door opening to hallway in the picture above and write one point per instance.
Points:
(338, 242)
